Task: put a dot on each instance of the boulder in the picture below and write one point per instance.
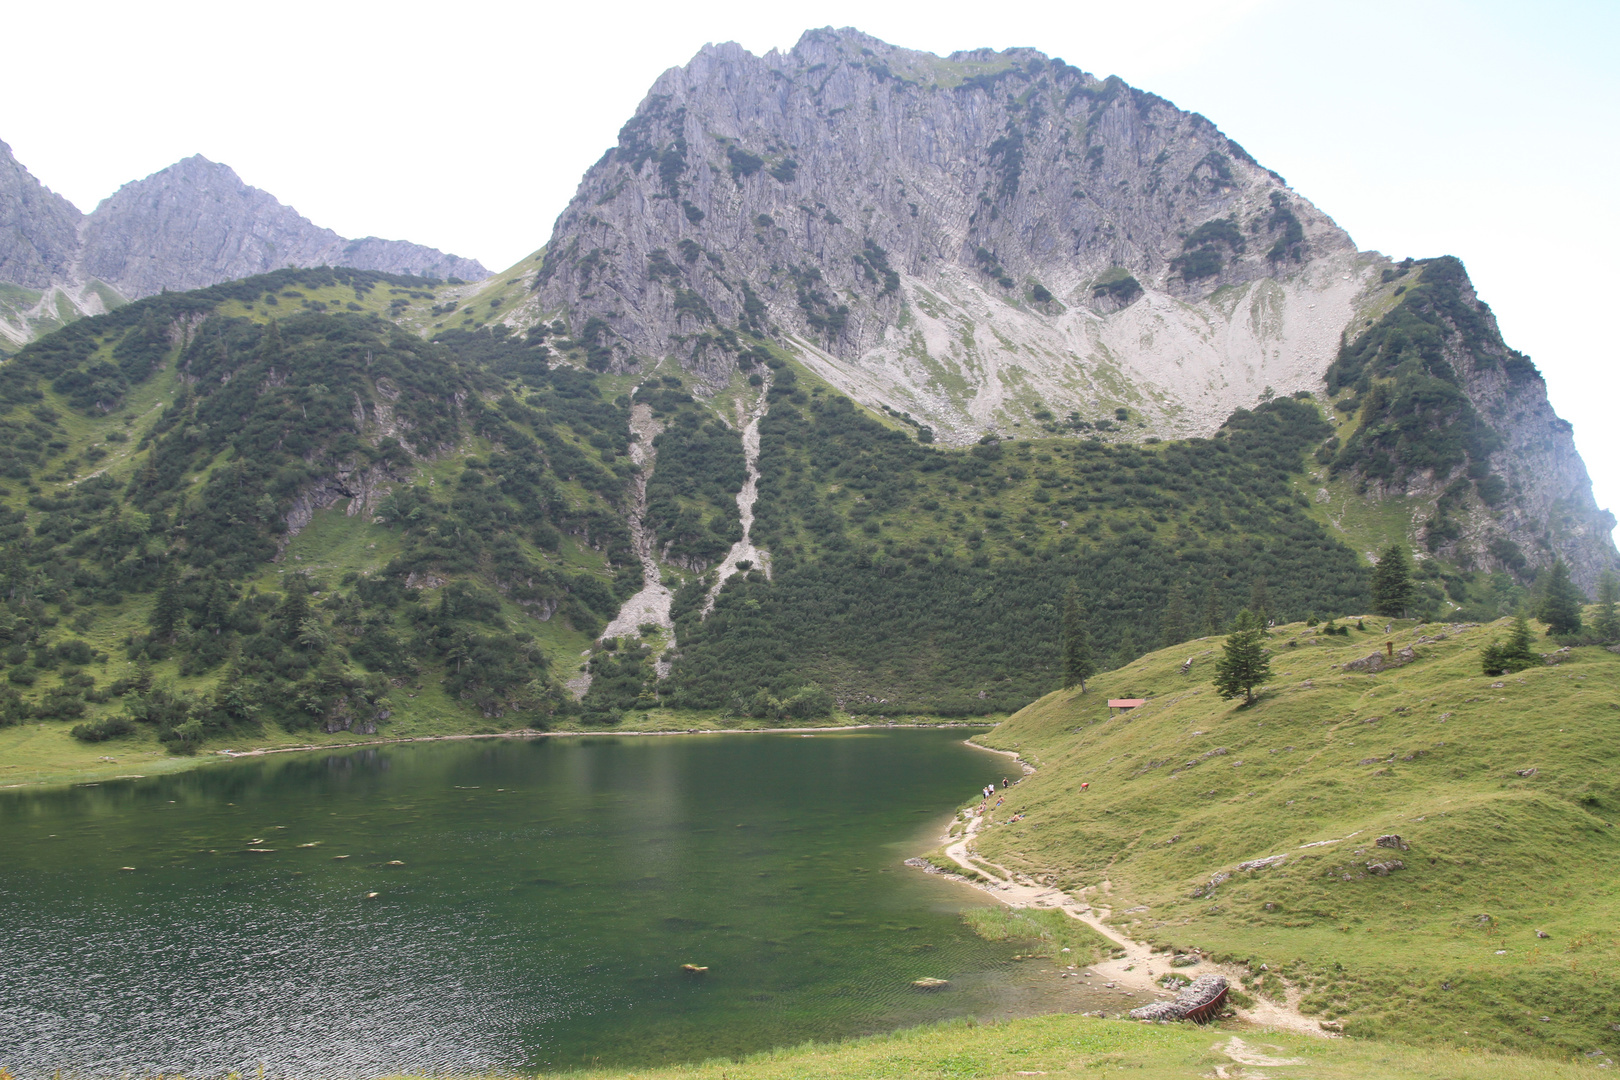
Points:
(1377, 661)
(1261, 864)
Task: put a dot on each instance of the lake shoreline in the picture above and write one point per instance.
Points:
(1133, 964)
(177, 763)
(531, 734)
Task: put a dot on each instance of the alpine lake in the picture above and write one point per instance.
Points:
(496, 905)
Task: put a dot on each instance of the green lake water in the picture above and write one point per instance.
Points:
(535, 900)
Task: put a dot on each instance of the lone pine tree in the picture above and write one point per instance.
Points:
(1561, 603)
(1392, 582)
(1078, 662)
(1243, 664)
(1499, 658)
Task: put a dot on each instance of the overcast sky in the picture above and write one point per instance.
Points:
(1484, 130)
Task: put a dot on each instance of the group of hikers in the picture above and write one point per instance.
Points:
(989, 792)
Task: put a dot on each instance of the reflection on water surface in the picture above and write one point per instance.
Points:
(488, 905)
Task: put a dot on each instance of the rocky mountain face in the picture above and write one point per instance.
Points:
(196, 223)
(1000, 243)
(976, 240)
(38, 228)
(191, 225)
(1450, 417)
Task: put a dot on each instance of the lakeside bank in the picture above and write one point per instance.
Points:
(49, 756)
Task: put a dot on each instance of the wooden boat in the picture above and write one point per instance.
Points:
(1200, 1002)
(1203, 1014)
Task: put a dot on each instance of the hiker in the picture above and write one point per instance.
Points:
(1084, 786)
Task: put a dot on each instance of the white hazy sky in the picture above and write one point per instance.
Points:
(1485, 130)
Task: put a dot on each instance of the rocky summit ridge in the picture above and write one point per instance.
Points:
(973, 240)
(999, 244)
(188, 226)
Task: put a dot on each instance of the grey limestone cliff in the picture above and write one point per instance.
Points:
(976, 239)
(196, 223)
(191, 225)
(38, 228)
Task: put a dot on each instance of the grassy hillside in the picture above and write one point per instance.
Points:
(1082, 1047)
(1503, 790)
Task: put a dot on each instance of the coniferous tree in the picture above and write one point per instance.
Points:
(1173, 625)
(1606, 620)
(1127, 649)
(167, 610)
(1260, 601)
(1501, 658)
(1078, 663)
(1243, 664)
(142, 682)
(270, 347)
(294, 609)
(1212, 610)
(1392, 582)
(1561, 601)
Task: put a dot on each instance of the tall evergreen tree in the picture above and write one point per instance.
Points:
(167, 610)
(1127, 649)
(270, 347)
(1516, 654)
(1260, 601)
(1561, 601)
(1606, 620)
(1212, 610)
(1078, 662)
(294, 609)
(1243, 664)
(1392, 582)
(1173, 625)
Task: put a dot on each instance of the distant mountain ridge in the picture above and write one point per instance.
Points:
(188, 226)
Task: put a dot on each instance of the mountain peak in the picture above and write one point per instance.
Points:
(192, 224)
(38, 228)
(997, 243)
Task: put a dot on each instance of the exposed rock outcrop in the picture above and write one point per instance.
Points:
(1451, 415)
(196, 223)
(39, 230)
(974, 240)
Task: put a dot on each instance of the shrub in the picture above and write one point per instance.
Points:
(111, 728)
(743, 163)
(1123, 289)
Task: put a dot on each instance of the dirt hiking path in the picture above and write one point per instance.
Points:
(1140, 967)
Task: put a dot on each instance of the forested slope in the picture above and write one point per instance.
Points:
(265, 507)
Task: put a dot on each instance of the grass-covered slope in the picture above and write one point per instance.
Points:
(1078, 1046)
(1503, 789)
